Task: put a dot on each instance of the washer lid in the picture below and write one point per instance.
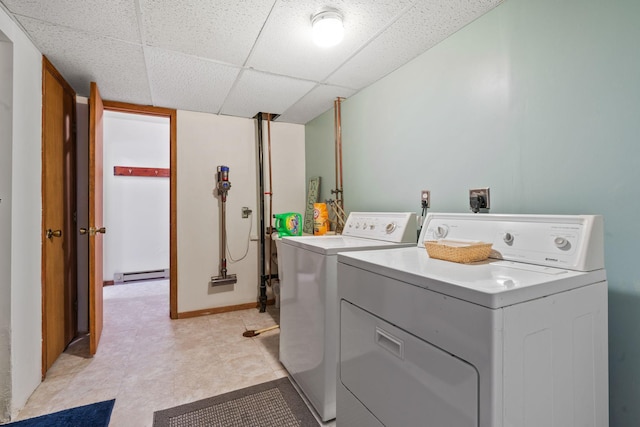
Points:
(331, 245)
(493, 283)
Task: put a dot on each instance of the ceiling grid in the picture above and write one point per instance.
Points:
(234, 58)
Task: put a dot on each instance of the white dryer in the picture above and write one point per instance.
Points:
(519, 340)
(309, 298)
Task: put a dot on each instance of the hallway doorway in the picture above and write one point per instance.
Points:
(138, 110)
(136, 197)
(171, 115)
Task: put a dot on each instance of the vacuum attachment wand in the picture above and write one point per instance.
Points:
(223, 185)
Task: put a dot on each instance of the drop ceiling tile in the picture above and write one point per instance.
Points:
(256, 92)
(314, 103)
(84, 39)
(118, 67)
(113, 18)
(285, 45)
(426, 24)
(224, 30)
(188, 82)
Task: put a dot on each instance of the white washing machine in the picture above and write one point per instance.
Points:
(309, 298)
(519, 340)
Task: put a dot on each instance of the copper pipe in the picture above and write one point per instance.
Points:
(336, 126)
(340, 148)
(338, 152)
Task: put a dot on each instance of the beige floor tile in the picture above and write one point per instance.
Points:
(246, 347)
(281, 373)
(42, 399)
(67, 364)
(148, 362)
(247, 366)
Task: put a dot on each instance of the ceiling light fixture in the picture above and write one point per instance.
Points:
(327, 28)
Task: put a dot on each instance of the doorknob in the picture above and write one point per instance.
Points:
(92, 230)
(51, 233)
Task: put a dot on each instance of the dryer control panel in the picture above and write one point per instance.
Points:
(573, 242)
(396, 227)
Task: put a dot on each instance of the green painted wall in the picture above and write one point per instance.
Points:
(320, 153)
(539, 100)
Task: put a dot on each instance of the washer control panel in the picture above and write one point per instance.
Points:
(396, 227)
(573, 242)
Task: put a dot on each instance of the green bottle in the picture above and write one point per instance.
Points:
(288, 224)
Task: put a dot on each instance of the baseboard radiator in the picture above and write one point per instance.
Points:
(140, 275)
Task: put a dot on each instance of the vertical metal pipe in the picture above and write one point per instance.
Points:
(339, 144)
(339, 191)
(223, 239)
(263, 285)
(336, 102)
(270, 200)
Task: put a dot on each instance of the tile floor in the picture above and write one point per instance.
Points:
(148, 362)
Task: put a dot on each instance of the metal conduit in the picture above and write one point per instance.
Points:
(264, 277)
(262, 298)
(270, 193)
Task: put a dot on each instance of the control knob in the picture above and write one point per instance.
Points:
(441, 231)
(560, 242)
(390, 227)
(508, 238)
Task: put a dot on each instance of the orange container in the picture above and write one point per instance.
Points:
(320, 219)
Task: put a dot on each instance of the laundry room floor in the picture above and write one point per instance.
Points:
(148, 362)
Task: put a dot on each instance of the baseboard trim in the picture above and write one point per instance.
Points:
(218, 310)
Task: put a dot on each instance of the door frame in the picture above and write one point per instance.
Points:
(171, 114)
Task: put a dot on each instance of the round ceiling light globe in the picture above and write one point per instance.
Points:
(327, 29)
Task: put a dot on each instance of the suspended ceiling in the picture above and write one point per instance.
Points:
(234, 57)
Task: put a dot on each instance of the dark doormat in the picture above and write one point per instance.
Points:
(271, 404)
(95, 415)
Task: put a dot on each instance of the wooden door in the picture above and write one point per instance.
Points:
(59, 291)
(96, 230)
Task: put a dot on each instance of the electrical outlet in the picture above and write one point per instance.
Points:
(246, 212)
(479, 199)
(425, 199)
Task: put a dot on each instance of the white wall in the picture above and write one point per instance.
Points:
(136, 209)
(26, 217)
(206, 141)
(287, 162)
(287, 180)
(6, 115)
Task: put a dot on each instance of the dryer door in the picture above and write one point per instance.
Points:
(402, 380)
